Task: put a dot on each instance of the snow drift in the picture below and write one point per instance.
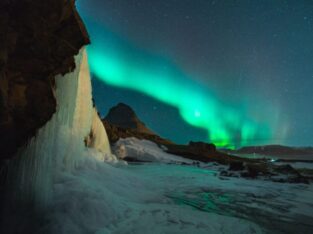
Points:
(144, 150)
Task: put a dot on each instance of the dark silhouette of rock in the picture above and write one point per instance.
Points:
(236, 166)
(206, 154)
(125, 117)
(276, 173)
(202, 146)
(122, 122)
(38, 41)
(256, 169)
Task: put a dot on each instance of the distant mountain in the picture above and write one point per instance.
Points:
(124, 116)
(277, 150)
(122, 122)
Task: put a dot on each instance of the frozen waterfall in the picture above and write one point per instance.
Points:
(98, 140)
(60, 144)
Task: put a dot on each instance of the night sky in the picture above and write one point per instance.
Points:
(231, 72)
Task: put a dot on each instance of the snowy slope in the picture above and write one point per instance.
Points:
(97, 197)
(101, 198)
(168, 198)
(144, 150)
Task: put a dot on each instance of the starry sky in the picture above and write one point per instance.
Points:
(232, 72)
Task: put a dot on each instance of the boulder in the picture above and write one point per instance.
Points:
(236, 166)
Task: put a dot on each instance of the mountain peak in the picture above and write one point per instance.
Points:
(124, 116)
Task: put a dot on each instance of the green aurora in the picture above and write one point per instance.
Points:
(117, 62)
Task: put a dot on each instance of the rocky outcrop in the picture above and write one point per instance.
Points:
(38, 41)
(203, 152)
(277, 173)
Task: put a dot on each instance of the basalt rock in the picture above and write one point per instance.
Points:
(38, 41)
(236, 166)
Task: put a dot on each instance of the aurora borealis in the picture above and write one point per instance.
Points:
(160, 79)
(231, 91)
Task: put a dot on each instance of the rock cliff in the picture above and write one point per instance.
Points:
(38, 41)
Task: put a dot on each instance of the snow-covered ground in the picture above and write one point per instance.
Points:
(158, 197)
(144, 150)
(168, 198)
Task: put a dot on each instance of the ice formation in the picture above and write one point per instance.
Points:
(60, 144)
(98, 139)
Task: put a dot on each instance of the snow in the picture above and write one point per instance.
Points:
(144, 150)
(169, 198)
(102, 198)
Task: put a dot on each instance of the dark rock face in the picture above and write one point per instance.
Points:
(202, 146)
(256, 169)
(276, 173)
(123, 116)
(204, 153)
(38, 41)
(236, 166)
